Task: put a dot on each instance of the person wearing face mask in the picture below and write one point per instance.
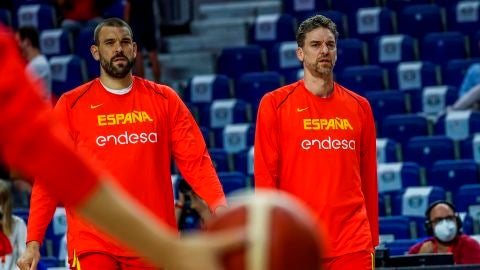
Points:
(447, 237)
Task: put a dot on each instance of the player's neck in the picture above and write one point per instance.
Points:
(322, 87)
(116, 83)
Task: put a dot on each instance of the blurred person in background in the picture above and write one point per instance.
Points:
(444, 226)
(139, 14)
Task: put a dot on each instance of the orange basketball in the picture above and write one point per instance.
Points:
(281, 234)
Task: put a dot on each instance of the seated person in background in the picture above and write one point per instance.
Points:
(444, 226)
(190, 210)
(471, 79)
(470, 100)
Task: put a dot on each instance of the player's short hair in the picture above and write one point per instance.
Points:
(30, 33)
(113, 22)
(313, 23)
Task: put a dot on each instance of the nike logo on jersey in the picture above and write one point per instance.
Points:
(95, 106)
(302, 109)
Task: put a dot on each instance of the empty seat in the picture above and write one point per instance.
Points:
(232, 181)
(435, 99)
(361, 79)
(387, 102)
(269, 29)
(350, 7)
(451, 174)
(372, 22)
(458, 125)
(40, 16)
(238, 137)
(223, 112)
(56, 42)
(233, 62)
(301, 9)
(398, 5)
(203, 89)
(440, 47)
(387, 151)
(470, 147)
(402, 127)
(467, 199)
(222, 160)
(84, 40)
(414, 201)
(415, 75)
(253, 85)
(283, 58)
(425, 150)
(464, 16)
(68, 72)
(419, 20)
(244, 161)
(339, 18)
(350, 52)
(392, 228)
(395, 176)
(389, 50)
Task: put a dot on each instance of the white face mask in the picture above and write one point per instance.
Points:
(445, 230)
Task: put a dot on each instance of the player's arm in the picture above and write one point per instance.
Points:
(368, 167)
(266, 158)
(192, 157)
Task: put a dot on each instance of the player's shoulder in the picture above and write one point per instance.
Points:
(280, 94)
(73, 95)
(162, 90)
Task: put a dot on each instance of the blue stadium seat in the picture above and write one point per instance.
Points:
(6, 17)
(350, 7)
(253, 85)
(435, 99)
(399, 5)
(203, 89)
(116, 9)
(468, 223)
(223, 112)
(235, 61)
(463, 16)
(387, 151)
(269, 29)
(440, 47)
(394, 227)
(387, 102)
(302, 9)
(68, 72)
(414, 75)
(56, 42)
(396, 176)
(402, 127)
(55, 232)
(455, 69)
(238, 137)
(451, 174)
(232, 181)
(222, 160)
(418, 20)
(85, 40)
(339, 18)
(458, 125)
(283, 59)
(425, 150)
(414, 201)
(372, 22)
(381, 206)
(475, 44)
(470, 147)
(350, 52)
(208, 136)
(361, 79)
(244, 161)
(22, 213)
(389, 50)
(467, 199)
(40, 16)
(400, 246)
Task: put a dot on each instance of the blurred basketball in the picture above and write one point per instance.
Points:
(281, 234)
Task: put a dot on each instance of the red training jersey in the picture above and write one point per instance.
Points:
(322, 150)
(134, 136)
(30, 140)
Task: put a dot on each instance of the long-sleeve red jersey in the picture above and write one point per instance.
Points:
(134, 136)
(323, 151)
(30, 140)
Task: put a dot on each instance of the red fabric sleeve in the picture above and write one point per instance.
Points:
(266, 146)
(192, 158)
(469, 252)
(415, 248)
(368, 167)
(29, 140)
(42, 208)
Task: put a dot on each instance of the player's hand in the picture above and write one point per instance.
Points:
(202, 251)
(30, 257)
(426, 247)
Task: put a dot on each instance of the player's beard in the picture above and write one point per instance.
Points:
(321, 68)
(117, 70)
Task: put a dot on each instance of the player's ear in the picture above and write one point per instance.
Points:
(300, 54)
(94, 52)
